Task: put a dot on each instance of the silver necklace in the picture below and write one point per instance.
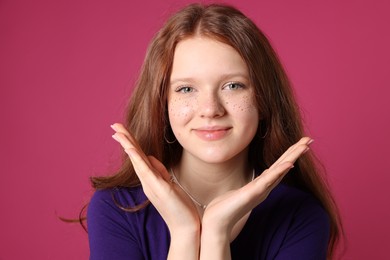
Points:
(202, 206)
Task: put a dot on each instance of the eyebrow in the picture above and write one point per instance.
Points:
(172, 82)
(222, 77)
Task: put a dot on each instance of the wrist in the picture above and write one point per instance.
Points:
(215, 228)
(214, 244)
(214, 236)
(183, 232)
(185, 243)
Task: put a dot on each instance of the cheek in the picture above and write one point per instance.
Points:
(179, 110)
(244, 106)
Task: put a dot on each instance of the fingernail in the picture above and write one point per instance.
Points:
(307, 149)
(112, 126)
(115, 138)
(310, 141)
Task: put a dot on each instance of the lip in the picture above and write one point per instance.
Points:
(212, 133)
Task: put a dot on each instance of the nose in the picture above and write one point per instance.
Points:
(210, 106)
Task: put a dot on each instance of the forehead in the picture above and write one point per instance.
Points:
(202, 56)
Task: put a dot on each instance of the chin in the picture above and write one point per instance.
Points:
(218, 153)
(216, 158)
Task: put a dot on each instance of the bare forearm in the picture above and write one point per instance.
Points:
(214, 246)
(184, 245)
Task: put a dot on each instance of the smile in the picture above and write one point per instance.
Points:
(212, 134)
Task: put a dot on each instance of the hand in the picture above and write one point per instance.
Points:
(225, 211)
(175, 207)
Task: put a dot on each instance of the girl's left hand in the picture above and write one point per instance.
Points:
(225, 211)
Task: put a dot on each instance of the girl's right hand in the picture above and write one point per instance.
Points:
(175, 207)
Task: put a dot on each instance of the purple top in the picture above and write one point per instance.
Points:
(289, 224)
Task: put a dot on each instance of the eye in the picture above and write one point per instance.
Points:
(184, 89)
(233, 85)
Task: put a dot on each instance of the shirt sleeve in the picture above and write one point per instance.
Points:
(308, 235)
(109, 232)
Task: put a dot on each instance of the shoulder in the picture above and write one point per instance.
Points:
(112, 208)
(296, 209)
(117, 233)
(294, 202)
(289, 224)
(300, 222)
(105, 209)
(118, 197)
(106, 204)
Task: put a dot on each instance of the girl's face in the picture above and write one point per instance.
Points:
(211, 104)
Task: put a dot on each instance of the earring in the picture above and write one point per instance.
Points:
(266, 132)
(262, 126)
(169, 142)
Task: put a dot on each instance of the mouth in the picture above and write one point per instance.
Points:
(212, 133)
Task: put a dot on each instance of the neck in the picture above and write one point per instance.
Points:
(205, 181)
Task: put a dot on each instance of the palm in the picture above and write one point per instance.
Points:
(226, 210)
(171, 202)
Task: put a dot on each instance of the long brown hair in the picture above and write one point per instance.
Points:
(280, 125)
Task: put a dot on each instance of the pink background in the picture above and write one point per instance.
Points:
(66, 70)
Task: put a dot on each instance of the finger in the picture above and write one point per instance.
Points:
(142, 168)
(160, 168)
(270, 176)
(123, 141)
(302, 144)
(294, 154)
(273, 176)
(302, 141)
(259, 189)
(148, 169)
(119, 128)
(129, 144)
